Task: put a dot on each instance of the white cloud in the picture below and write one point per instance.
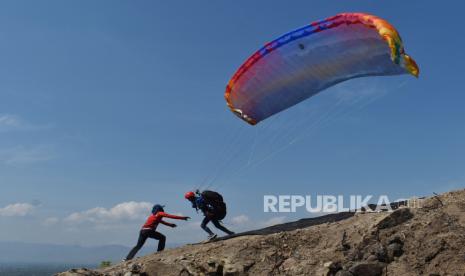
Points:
(10, 122)
(17, 210)
(121, 212)
(241, 219)
(22, 155)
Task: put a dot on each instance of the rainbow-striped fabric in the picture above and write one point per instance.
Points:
(303, 62)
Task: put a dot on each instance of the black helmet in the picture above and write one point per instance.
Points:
(157, 208)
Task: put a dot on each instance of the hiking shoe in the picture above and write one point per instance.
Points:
(212, 237)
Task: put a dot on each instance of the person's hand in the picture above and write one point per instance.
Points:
(187, 218)
(173, 225)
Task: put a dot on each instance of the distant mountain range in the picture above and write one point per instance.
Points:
(21, 252)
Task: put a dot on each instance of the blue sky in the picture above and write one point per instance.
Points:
(104, 103)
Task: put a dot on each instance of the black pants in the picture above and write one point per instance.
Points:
(217, 224)
(143, 236)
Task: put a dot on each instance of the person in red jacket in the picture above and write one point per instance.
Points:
(149, 230)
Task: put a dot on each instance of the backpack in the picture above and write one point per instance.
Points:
(216, 201)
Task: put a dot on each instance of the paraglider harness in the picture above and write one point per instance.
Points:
(215, 201)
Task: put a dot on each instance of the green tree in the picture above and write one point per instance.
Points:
(104, 264)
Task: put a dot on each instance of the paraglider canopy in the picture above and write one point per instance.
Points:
(310, 59)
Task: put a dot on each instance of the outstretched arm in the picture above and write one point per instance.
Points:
(166, 215)
(167, 223)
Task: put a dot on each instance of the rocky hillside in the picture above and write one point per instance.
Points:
(408, 241)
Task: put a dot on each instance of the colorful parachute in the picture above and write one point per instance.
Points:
(308, 60)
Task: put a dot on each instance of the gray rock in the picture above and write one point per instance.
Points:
(380, 252)
(214, 267)
(343, 273)
(80, 272)
(332, 267)
(135, 268)
(367, 269)
(232, 270)
(396, 239)
(395, 250)
(395, 218)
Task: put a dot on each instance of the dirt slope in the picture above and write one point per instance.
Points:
(409, 241)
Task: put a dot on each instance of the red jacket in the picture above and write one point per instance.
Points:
(153, 220)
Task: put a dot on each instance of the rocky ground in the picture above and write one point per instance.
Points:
(408, 241)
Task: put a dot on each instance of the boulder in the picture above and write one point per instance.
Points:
(397, 217)
(367, 269)
(394, 250)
